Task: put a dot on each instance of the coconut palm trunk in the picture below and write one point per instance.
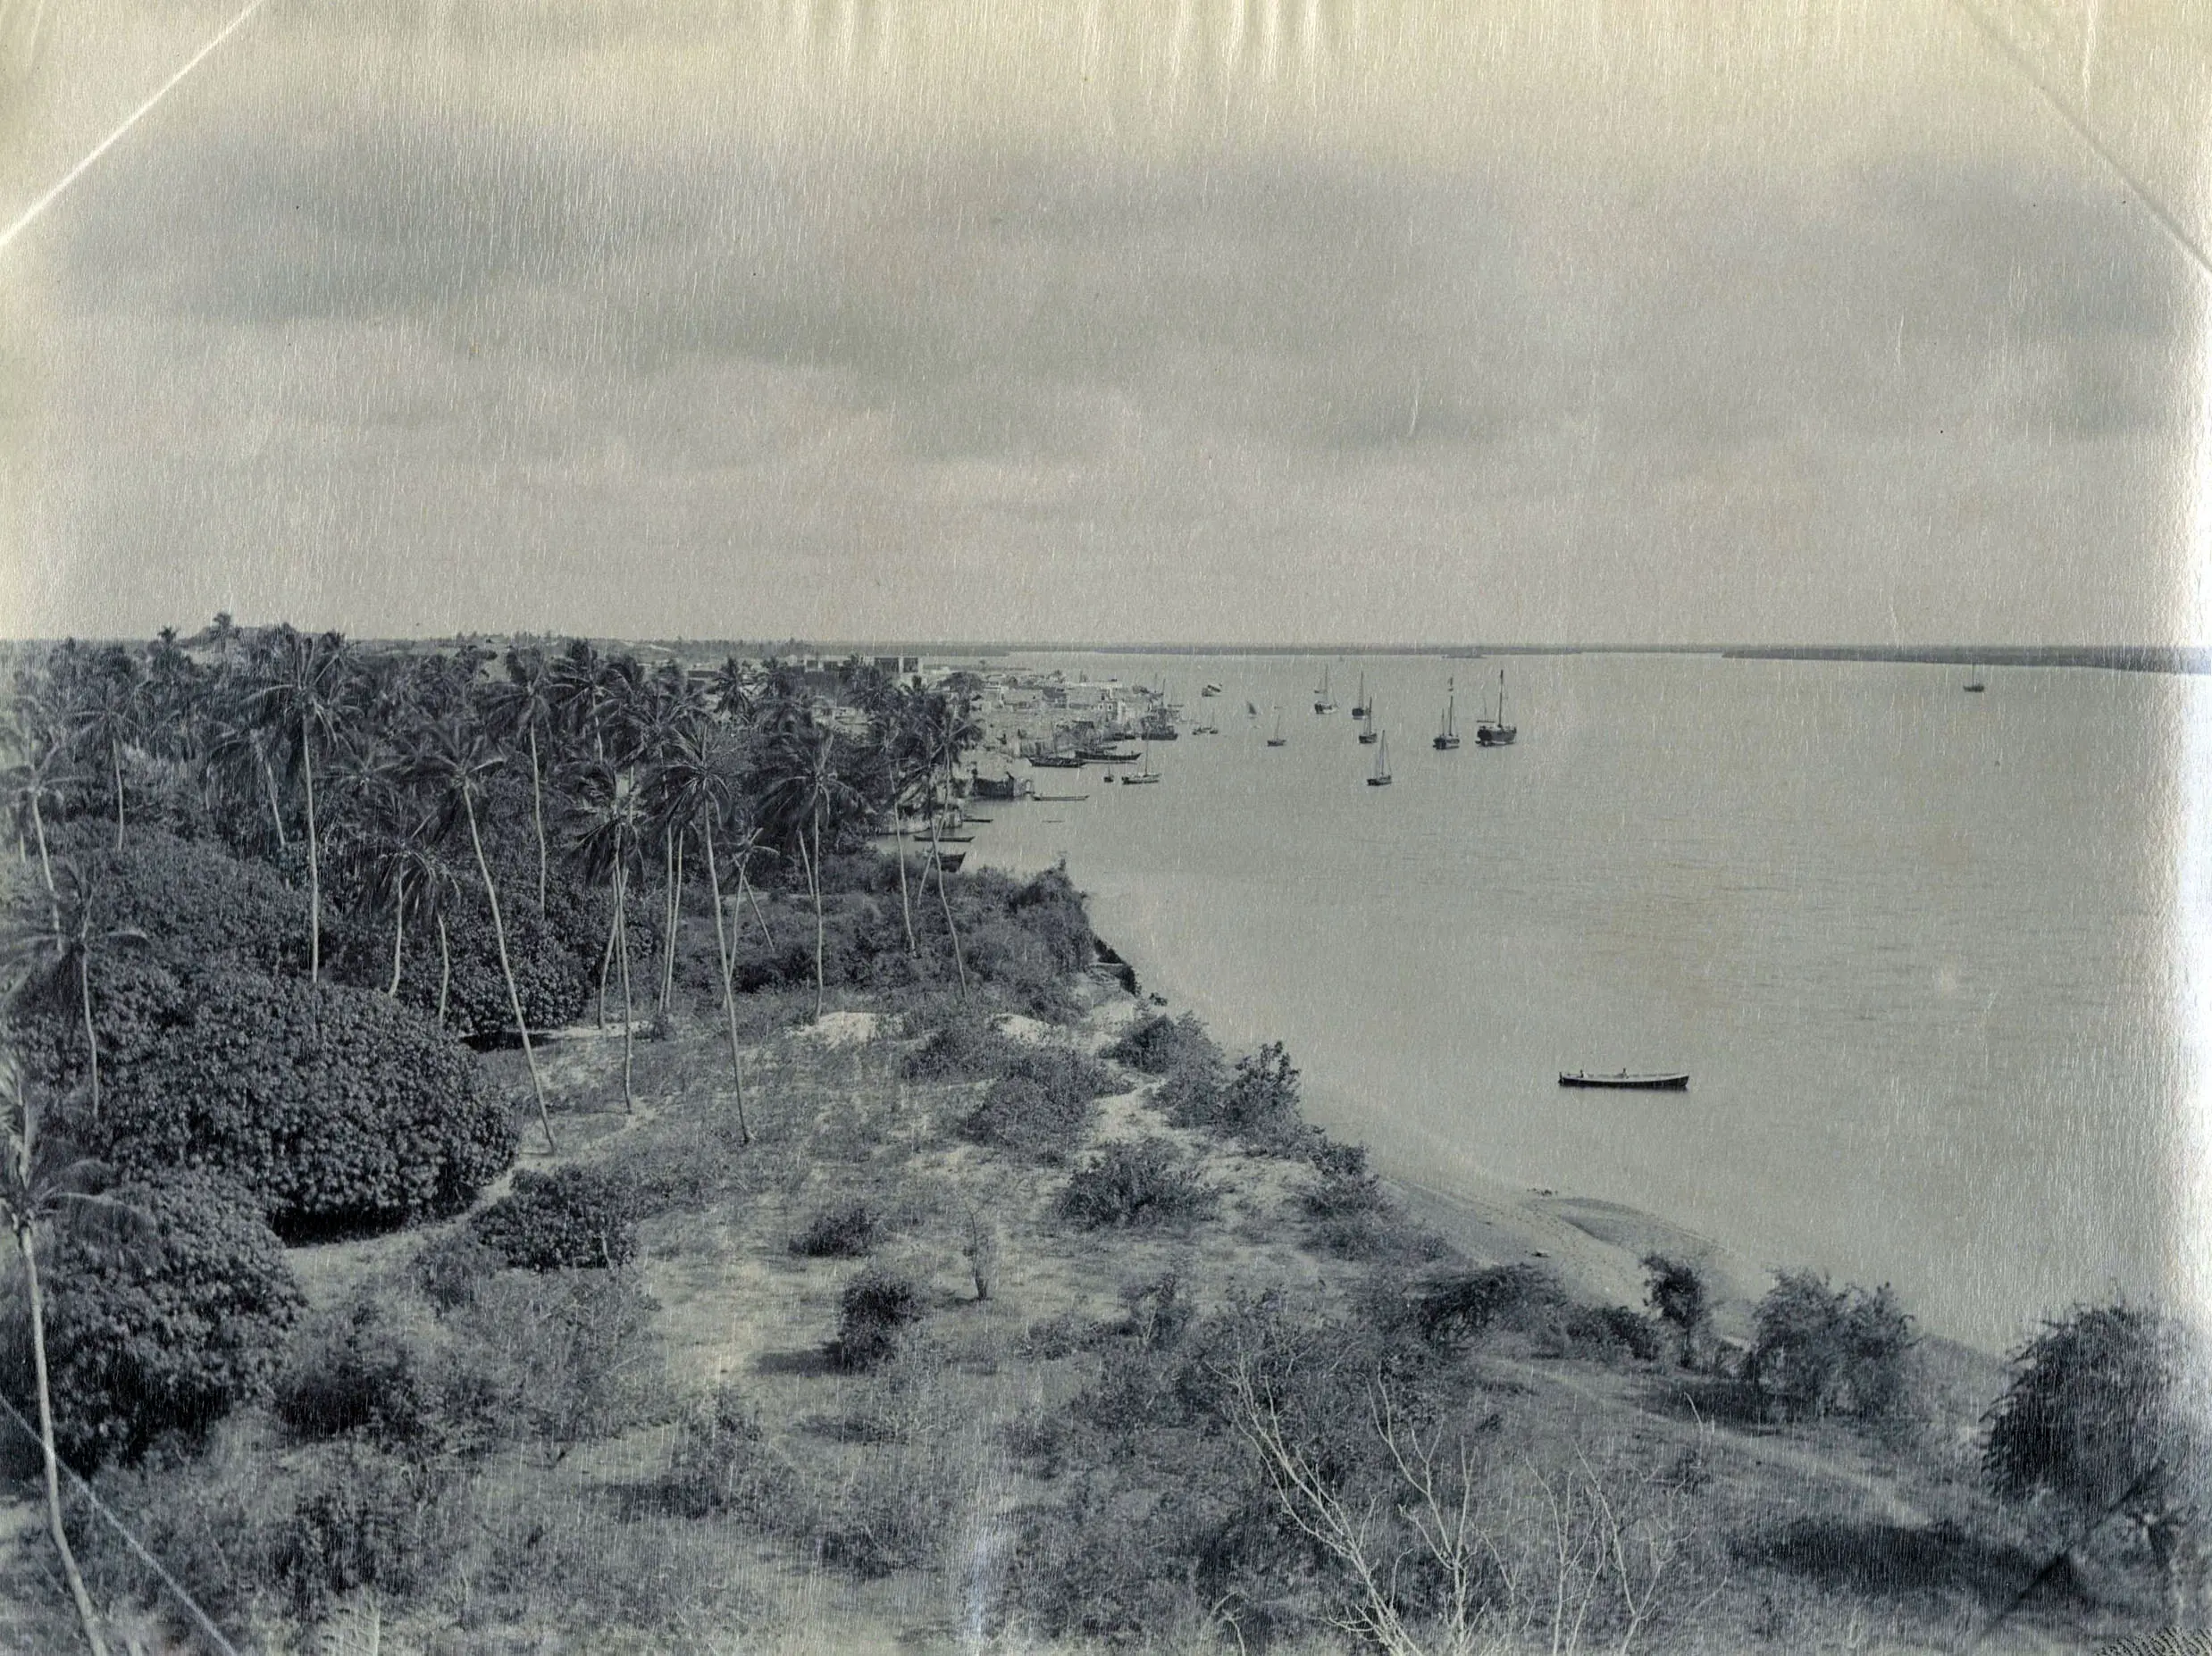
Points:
(506, 969)
(536, 813)
(92, 1038)
(398, 932)
(268, 777)
(675, 915)
(729, 987)
(937, 852)
(813, 865)
(445, 970)
(115, 754)
(314, 866)
(45, 861)
(905, 904)
(86, 1616)
(622, 934)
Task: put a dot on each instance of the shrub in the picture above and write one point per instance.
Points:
(573, 1218)
(965, 1047)
(1817, 1351)
(1604, 1330)
(1042, 1110)
(843, 1233)
(198, 908)
(874, 1313)
(356, 1375)
(1675, 1289)
(334, 1106)
(1140, 1182)
(451, 1268)
(1258, 1103)
(723, 1465)
(166, 1329)
(1160, 1045)
(365, 1517)
(1458, 1307)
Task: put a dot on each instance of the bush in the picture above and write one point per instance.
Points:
(199, 908)
(874, 1313)
(333, 1106)
(1258, 1103)
(573, 1218)
(1675, 1289)
(365, 1517)
(166, 1329)
(1459, 1307)
(1141, 1182)
(843, 1233)
(1818, 1351)
(1041, 1108)
(358, 1376)
(967, 1046)
(723, 1466)
(1161, 1045)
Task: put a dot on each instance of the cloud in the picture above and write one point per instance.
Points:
(424, 336)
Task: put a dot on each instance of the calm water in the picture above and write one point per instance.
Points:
(1914, 945)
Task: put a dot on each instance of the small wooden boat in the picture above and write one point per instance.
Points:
(1322, 703)
(1360, 708)
(950, 861)
(1368, 736)
(1381, 778)
(1105, 756)
(1130, 778)
(1446, 739)
(1057, 761)
(1278, 740)
(1495, 732)
(1671, 1081)
(1210, 689)
(1061, 798)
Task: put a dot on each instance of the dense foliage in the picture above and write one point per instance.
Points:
(572, 1218)
(162, 1325)
(1818, 1351)
(332, 1106)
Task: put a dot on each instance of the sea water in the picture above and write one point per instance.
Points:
(1916, 947)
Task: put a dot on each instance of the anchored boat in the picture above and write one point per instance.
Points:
(1381, 778)
(1446, 739)
(1670, 1081)
(1495, 732)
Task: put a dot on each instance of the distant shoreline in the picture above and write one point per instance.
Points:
(2111, 657)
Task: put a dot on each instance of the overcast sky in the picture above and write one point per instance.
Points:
(1537, 320)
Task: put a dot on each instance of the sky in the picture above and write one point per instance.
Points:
(1238, 321)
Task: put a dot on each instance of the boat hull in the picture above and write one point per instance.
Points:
(1444, 744)
(1674, 1082)
(1496, 736)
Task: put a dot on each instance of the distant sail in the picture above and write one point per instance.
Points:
(1251, 710)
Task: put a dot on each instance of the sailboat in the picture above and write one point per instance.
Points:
(1495, 732)
(1381, 778)
(1446, 739)
(1278, 740)
(1367, 736)
(1974, 686)
(1360, 708)
(1130, 778)
(1322, 703)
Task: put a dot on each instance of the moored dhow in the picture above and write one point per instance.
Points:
(1664, 1081)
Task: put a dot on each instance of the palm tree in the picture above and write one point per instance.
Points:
(108, 715)
(301, 691)
(804, 791)
(524, 706)
(942, 731)
(701, 782)
(36, 1188)
(67, 941)
(35, 778)
(606, 826)
(457, 759)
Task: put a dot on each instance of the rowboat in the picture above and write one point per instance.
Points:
(1672, 1081)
